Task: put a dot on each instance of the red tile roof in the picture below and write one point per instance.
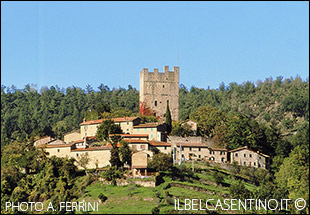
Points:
(158, 143)
(147, 125)
(202, 145)
(247, 148)
(93, 148)
(98, 121)
(132, 135)
(55, 145)
(135, 141)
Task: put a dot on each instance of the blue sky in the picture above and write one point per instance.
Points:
(80, 43)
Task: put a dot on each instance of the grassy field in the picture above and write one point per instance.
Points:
(134, 199)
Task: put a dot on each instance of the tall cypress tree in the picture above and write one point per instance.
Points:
(168, 119)
(115, 160)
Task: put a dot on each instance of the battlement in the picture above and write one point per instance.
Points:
(161, 76)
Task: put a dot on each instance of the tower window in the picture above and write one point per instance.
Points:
(155, 103)
(163, 86)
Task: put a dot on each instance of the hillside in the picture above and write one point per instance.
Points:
(179, 184)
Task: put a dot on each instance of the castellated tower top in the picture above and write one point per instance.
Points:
(157, 89)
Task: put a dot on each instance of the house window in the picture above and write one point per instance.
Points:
(127, 129)
(154, 114)
(165, 147)
(85, 134)
(142, 147)
(190, 148)
(151, 129)
(236, 154)
(127, 123)
(259, 157)
(199, 156)
(244, 163)
(58, 150)
(244, 155)
(223, 160)
(163, 86)
(144, 129)
(250, 155)
(77, 154)
(254, 164)
(155, 103)
(198, 149)
(151, 136)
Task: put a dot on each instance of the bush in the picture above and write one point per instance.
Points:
(102, 197)
(218, 177)
(155, 210)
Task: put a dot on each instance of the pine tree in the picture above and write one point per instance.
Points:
(168, 119)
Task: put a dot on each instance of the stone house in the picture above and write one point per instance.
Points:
(155, 131)
(163, 147)
(139, 161)
(218, 155)
(191, 151)
(89, 128)
(72, 136)
(248, 157)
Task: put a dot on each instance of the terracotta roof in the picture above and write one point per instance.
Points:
(110, 145)
(98, 121)
(135, 141)
(247, 148)
(125, 119)
(159, 143)
(193, 145)
(93, 148)
(218, 149)
(147, 125)
(132, 135)
(55, 145)
(88, 138)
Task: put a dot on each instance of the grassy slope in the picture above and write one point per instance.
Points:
(134, 199)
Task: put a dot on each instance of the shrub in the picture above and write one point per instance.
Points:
(218, 177)
(155, 210)
(102, 197)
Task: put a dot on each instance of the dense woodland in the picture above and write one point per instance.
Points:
(271, 116)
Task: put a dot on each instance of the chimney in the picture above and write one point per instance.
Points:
(84, 119)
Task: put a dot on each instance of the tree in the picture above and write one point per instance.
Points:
(125, 153)
(168, 119)
(181, 130)
(83, 161)
(106, 128)
(115, 160)
(238, 190)
(160, 162)
(208, 118)
(293, 174)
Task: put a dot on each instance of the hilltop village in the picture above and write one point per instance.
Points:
(157, 90)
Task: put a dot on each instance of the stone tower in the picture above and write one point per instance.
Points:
(156, 89)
